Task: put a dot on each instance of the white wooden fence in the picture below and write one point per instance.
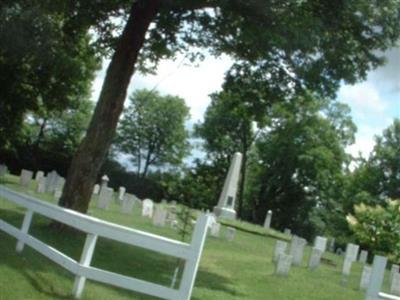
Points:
(94, 228)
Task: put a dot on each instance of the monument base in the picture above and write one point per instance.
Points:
(226, 213)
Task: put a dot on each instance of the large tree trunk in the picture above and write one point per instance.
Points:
(88, 159)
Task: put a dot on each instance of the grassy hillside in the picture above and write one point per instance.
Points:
(241, 269)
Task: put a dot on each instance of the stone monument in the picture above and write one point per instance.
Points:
(226, 202)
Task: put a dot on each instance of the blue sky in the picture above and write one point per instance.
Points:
(374, 102)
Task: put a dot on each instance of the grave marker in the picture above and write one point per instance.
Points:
(376, 280)
(230, 233)
(105, 198)
(159, 217)
(363, 257)
(3, 170)
(352, 252)
(315, 258)
(268, 218)
(395, 284)
(283, 265)
(96, 189)
(393, 270)
(347, 266)
(280, 248)
(147, 208)
(365, 277)
(320, 243)
(215, 228)
(287, 231)
(226, 202)
(25, 178)
(297, 250)
(128, 203)
(41, 187)
(121, 193)
(39, 175)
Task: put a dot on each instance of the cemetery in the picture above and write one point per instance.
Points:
(240, 260)
(203, 149)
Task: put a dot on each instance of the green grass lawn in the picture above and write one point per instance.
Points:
(241, 269)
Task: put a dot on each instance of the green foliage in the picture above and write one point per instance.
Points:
(378, 227)
(377, 178)
(297, 165)
(41, 65)
(185, 217)
(152, 131)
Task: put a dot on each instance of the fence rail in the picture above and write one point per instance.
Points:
(95, 228)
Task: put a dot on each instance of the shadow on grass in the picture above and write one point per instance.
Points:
(215, 282)
(109, 255)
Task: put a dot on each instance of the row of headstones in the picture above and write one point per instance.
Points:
(52, 183)
(296, 252)
(284, 261)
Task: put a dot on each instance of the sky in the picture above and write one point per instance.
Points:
(374, 102)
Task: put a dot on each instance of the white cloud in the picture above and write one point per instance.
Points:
(363, 98)
(193, 83)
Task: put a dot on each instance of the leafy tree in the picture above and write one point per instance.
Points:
(48, 139)
(42, 65)
(378, 228)
(298, 165)
(152, 131)
(378, 177)
(309, 44)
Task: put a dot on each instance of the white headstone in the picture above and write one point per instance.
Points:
(352, 252)
(347, 266)
(25, 178)
(363, 257)
(315, 258)
(395, 284)
(159, 217)
(365, 277)
(215, 228)
(57, 194)
(283, 265)
(268, 218)
(104, 182)
(51, 181)
(377, 274)
(3, 170)
(96, 189)
(280, 248)
(39, 175)
(230, 233)
(297, 250)
(393, 270)
(128, 203)
(147, 208)
(41, 187)
(226, 202)
(287, 231)
(105, 198)
(121, 193)
(60, 182)
(320, 243)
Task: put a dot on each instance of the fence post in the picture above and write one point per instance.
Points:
(86, 258)
(24, 229)
(192, 264)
